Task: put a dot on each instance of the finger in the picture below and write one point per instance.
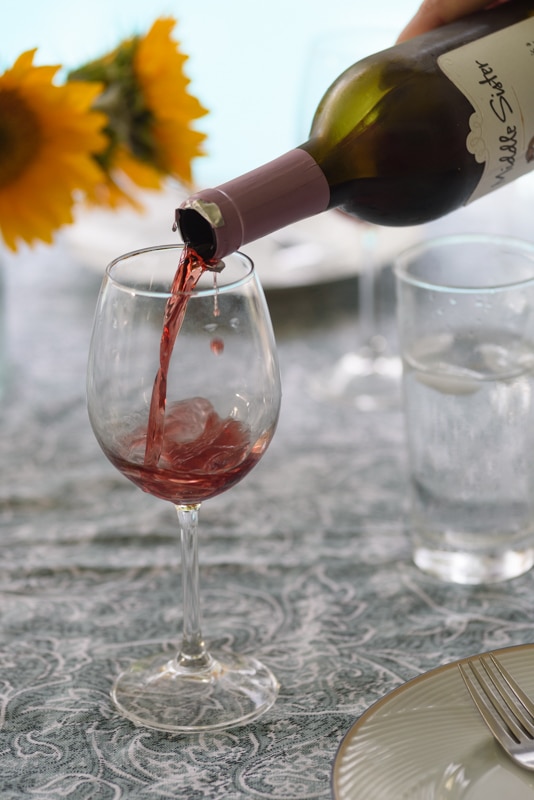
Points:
(433, 13)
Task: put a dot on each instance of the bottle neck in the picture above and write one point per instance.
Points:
(216, 222)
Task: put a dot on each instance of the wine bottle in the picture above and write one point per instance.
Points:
(400, 138)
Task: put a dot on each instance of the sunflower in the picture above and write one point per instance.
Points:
(150, 114)
(48, 135)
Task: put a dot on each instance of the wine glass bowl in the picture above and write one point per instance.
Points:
(185, 434)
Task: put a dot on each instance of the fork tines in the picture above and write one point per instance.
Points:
(504, 706)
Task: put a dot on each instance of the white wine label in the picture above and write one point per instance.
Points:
(496, 75)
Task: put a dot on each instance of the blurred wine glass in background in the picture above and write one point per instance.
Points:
(367, 376)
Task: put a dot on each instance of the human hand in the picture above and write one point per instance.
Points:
(433, 13)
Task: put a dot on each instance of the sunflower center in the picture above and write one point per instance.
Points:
(20, 136)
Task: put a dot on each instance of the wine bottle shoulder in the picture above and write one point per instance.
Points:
(387, 135)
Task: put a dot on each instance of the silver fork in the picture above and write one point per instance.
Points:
(503, 705)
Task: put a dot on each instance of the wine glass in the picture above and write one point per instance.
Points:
(185, 420)
(367, 376)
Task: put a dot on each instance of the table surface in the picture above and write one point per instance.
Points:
(306, 564)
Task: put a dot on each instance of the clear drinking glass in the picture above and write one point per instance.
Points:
(368, 375)
(220, 403)
(466, 328)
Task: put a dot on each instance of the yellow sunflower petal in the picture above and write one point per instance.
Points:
(49, 135)
(158, 65)
(140, 173)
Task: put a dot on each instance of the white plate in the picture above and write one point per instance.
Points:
(426, 741)
(325, 248)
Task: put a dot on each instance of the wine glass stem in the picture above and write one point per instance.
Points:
(367, 299)
(193, 654)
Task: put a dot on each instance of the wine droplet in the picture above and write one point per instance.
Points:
(217, 346)
(216, 310)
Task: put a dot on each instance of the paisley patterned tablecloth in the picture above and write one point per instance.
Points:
(306, 564)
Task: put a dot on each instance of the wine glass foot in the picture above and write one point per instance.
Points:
(367, 382)
(232, 690)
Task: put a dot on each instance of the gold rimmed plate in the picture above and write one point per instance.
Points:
(426, 741)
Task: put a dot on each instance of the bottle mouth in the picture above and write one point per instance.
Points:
(196, 232)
